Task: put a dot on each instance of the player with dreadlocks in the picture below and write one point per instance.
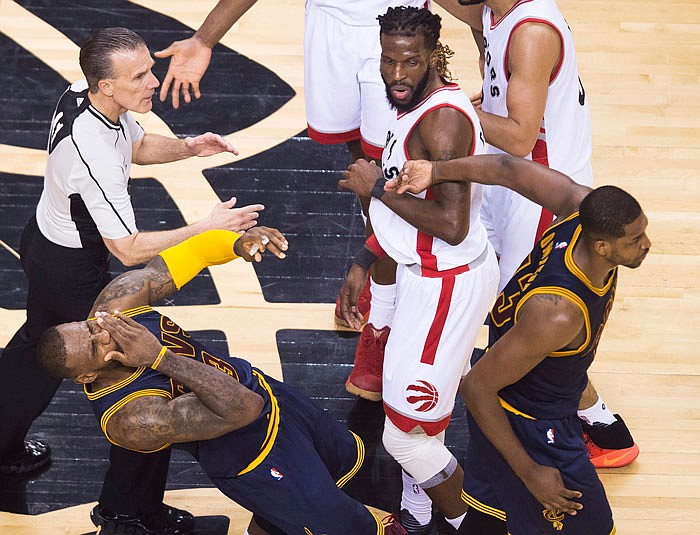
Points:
(447, 271)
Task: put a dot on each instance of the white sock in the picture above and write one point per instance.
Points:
(381, 312)
(597, 414)
(456, 522)
(415, 500)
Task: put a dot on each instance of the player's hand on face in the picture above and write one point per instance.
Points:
(360, 177)
(251, 245)
(349, 294)
(415, 176)
(189, 60)
(546, 485)
(224, 216)
(138, 345)
(208, 144)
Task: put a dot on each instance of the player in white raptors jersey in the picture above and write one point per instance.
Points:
(447, 271)
(556, 126)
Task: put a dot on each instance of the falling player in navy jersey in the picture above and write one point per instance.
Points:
(151, 384)
(527, 468)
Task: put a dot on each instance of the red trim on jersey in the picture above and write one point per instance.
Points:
(429, 110)
(430, 274)
(373, 245)
(449, 86)
(372, 151)
(333, 139)
(424, 242)
(433, 339)
(552, 76)
(495, 23)
(539, 155)
(406, 424)
(539, 152)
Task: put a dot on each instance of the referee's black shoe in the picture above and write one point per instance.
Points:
(35, 456)
(171, 521)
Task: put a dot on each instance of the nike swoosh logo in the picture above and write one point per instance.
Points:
(609, 461)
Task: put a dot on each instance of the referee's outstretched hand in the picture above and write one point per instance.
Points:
(208, 144)
(224, 216)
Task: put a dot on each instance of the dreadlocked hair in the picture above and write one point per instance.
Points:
(442, 54)
(411, 21)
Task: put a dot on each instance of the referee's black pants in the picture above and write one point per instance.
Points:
(63, 284)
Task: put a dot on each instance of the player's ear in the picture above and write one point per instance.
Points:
(85, 378)
(603, 247)
(432, 62)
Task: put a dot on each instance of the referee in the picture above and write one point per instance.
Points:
(83, 216)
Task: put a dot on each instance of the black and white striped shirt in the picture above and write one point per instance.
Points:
(85, 194)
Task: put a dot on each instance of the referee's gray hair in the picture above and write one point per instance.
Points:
(96, 52)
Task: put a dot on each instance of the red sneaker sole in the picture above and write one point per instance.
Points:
(616, 458)
(365, 394)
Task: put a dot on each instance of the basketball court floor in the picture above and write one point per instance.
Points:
(639, 64)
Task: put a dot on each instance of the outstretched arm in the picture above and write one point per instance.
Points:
(547, 187)
(190, 58)
(217, 404)
(176, 266)
(154, 148)
(140, 247)
(523, 347)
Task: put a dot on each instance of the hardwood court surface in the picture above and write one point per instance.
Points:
(638, 62)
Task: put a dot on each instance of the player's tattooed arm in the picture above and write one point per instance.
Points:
(137, 287)
(217, 404)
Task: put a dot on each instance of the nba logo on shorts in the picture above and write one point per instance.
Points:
(550, 436)
(276, 473)
(425, 397)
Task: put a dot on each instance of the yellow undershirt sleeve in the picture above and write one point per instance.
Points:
(188, 258)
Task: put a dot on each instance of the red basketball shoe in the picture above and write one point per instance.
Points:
(609, 446)
(366, 377)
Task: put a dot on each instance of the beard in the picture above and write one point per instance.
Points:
(415, 97)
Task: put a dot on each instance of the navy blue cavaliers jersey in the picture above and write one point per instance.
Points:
(244, 448)
(554, 387)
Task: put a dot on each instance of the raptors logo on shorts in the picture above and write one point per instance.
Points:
(422, 395)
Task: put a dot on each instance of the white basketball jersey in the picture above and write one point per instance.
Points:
(361, 12)
(564, 142)
(401, 240)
